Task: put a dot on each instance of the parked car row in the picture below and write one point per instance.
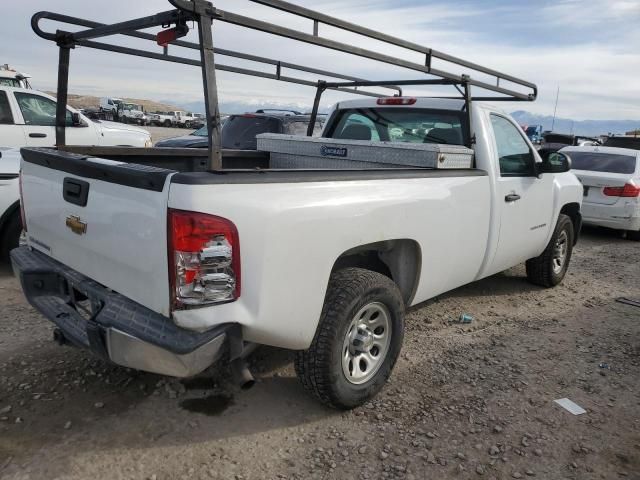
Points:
(239, 131)
(127, 112)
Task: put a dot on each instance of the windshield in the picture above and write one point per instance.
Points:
(407, 125)
(240, 131)
(201, 132)
(602, 162)
(10, 82)
(131, 106)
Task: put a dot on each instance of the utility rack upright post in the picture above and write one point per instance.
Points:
(204, 13)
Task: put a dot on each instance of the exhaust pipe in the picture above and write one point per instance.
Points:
(241, 374)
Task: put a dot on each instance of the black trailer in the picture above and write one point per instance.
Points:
(176, 22)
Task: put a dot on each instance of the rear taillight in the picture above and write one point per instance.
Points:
(23, 218)
(397, 101)
(629, 190)
(204, 259)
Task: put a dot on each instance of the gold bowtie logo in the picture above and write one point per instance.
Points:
(76, 225)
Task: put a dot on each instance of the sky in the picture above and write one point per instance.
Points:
(589, 49)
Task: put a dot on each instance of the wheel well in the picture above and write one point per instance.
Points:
(572, 210)
(399, 260)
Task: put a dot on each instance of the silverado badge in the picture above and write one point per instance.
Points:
(76, 225)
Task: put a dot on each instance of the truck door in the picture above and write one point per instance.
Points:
(11, 135)
(524, 203)
(39, 115)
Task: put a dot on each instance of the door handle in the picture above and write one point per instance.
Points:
(38, 135)
(512, 197)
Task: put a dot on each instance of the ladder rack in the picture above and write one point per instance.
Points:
(204, 14)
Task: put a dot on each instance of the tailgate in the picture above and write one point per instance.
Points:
(104, 219)
(594, 182)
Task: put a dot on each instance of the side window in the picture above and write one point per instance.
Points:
(355, 126)
(6, 117)
(39, 111)
(514, 154)
(300, 128)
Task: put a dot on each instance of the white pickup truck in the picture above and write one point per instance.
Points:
(132, 113)
(159, 270)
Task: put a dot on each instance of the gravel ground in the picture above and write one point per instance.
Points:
(464, 402)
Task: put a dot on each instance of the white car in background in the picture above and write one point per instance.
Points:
(611, 181)
(28, 117)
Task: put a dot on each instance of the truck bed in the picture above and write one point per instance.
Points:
(148, 168)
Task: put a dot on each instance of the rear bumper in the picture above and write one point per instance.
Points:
(620, 217)
(112, 326)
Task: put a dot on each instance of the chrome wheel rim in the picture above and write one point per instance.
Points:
(560, 250)
(366, 343)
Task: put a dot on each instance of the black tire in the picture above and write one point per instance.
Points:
(10, 235)
(543, 270)
(633, 235)
(320, 367)
(167, 123)
(187, 124)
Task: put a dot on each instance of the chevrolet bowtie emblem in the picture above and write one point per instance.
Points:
(76, 225)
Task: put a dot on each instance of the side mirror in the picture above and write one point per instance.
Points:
(76, 121)
(553, 162)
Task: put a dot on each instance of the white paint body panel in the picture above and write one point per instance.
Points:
(291, 234)
(288, 247)
(125, 244)
(94, 133)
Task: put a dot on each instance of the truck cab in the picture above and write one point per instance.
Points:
(10, 77)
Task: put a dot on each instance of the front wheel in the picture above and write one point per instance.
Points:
(549, 269)
(358, 339)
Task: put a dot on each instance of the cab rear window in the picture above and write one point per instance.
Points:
(402, 125)
(240, 131)
(603, 162)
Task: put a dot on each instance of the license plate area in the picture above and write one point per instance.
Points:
(52, 284)
(87, 308)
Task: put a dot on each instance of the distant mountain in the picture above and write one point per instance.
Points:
(561, 125)
(582, 127)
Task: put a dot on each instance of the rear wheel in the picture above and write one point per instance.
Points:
(10, 236)
(167, 123)
(549, 269)
(358, 340)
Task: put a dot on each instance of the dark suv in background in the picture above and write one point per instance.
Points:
(239, 131)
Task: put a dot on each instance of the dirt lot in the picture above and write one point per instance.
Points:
(464, 402)
(158, 133)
